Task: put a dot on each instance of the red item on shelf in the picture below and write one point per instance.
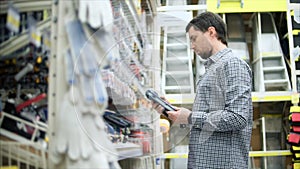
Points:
(296, 128)
(296, 117)
(30, 101)
(294, 138)
(146, 146)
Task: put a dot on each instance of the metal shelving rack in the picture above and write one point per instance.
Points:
(16, 149)
(247, 6)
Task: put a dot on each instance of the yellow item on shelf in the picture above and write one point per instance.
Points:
(164, 125)
(10, 167)
(295, 148)
(230, 6)
(296, 165)
(295, 109)
(296, 32)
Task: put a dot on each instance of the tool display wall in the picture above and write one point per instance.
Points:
(24, 85)
(119, 43)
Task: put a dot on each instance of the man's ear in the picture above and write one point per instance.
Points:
(212, 31)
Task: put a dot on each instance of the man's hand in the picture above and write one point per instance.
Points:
(180, 116)
(158, 107)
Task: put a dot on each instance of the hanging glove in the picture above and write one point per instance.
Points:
(96, 13)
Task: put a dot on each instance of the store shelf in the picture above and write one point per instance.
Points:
(180, 98)
(232, 6)
(273, 96)
(14, 136)
(26, 5)
(32, 155)
(248, 6)
(15, 43)
(270, 153)
(38, 126)
(128, 150)
(256, 97)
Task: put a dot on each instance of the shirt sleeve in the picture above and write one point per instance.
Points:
(236, 77)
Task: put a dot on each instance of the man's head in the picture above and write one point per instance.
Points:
(207, 34)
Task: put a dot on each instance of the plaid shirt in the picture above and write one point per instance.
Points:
(222, 115)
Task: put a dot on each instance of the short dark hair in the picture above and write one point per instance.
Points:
(207, 19)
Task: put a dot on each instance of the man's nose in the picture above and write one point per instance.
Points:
(192, 46)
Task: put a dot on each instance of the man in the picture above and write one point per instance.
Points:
(221, 118)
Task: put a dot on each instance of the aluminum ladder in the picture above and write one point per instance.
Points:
(269, 66)
(177, 66)
(177, 72)
(293, 24)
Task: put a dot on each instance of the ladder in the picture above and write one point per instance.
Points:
(177, 73)
(293, 25)
(269, 65)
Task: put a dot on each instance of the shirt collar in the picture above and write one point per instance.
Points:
(214, 58)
